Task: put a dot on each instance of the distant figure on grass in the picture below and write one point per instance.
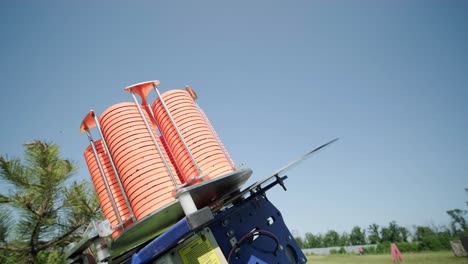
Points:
(396, 255)
(360, 251)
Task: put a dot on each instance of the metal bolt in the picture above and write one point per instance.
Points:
(230, 233)
(233, 241)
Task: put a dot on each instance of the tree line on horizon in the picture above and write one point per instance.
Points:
(417, 239)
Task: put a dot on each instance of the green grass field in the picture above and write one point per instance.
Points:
(445, 257)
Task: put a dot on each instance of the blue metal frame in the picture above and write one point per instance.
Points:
(250, 231)
(162, 243)
(233, 228)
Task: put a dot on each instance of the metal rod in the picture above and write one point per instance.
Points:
(154, 140)
(216, 137)
(117, 176)
(109, 192)
(178, 131)
(162, 135)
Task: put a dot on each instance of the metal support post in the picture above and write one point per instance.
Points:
(176, 186)
(117, 176)
(210, 126)
(178, 132)
(106, 183)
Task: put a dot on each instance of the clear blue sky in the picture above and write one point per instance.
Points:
(276, 79)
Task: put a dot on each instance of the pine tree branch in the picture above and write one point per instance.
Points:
(35, 235)
(5, 199)
(59, 239)
(11, 170)
(40, 193)
(19, 250)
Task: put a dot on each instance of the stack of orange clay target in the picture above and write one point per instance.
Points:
(153, 156)
(145, 178)
(101, 191)
(199, 140)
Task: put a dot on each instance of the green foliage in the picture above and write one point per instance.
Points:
(312, 241)
(458, 223)
(341, 250)
(435, 242)
(443, 257)
(424, 239)
(300, 242)
(331, 238)
(428, 243)
(370, 250)
(344, 240)
(422, 231)
(357, 236)
(383, 248)
(408, 246)
(391, 233)
(404, 233)
(7, 257)
(55, 257)
(374, 234)
(5, 225)
(432, 239)
(50, 212)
